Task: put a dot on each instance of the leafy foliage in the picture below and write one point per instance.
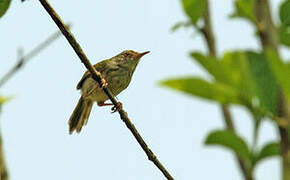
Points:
(238, 66)
(218, 70)
(194, 9)
(249, 78)
(198, 87)
(284, 27)
(231, 141)
(239, 78)
(266, 86)
(178, 25)
(284, 35)
(281, 71)
(4, 5)
(4, 99)
(285, 13)
(269, 150)
(244, 9)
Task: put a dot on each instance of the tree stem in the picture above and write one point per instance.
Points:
(210, 41)
(24, 59)
(269, 39)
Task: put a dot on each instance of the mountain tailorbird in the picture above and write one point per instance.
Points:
(116, 73)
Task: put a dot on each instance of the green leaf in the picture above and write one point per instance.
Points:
(4, 5)
(285, 13)
(284, 35)
(266, 84)
(178, 25)
(254, 79)
(215, 67)
(231, 141)
(249, 76)
(269, 150)
(194, 9)
(281, 71)
(284, 28)
(2, 100)
(244, 9)
(198, 87)
(239, 68)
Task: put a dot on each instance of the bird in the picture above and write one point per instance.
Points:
(116, 75)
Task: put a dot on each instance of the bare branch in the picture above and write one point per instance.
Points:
(24, 59)
(97, 76)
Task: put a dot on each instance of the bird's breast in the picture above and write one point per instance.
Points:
(117, 79)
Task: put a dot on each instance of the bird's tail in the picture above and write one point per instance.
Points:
(80, 115)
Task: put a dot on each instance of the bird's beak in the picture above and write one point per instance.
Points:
(142, 54)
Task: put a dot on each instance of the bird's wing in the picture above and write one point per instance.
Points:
(100, 67)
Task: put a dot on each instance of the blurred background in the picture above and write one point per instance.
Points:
(34, 123)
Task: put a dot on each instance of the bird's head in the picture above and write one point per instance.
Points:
(129, 59)
(130, 55)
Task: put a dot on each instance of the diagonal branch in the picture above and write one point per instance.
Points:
(211, 45)
(24, 59)
(97, 76)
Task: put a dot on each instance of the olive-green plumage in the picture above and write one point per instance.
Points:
(117, 73)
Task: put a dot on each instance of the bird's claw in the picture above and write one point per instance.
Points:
(116, 108)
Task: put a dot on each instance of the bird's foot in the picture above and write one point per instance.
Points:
(116, 108)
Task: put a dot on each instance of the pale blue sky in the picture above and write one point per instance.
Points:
(34, 124)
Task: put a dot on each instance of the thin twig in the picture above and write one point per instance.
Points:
(211, 45)
(269, 39)
(22, 60)
(97, 76)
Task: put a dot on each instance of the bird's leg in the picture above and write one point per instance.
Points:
(118, 107)
(104, 104)
(114, 109)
